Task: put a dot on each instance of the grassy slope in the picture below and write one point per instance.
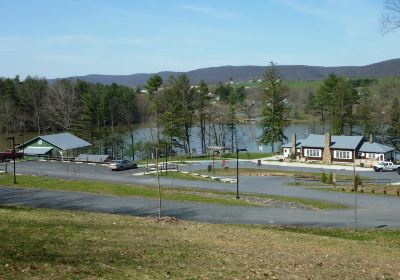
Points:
(181, 176)
(50, 244)
(177, 194)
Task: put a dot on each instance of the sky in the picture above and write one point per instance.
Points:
(63, 38)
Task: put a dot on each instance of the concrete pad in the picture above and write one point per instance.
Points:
(309, 165)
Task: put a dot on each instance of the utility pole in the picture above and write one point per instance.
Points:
(237, 170)
(166, 157)
(237, 173)
(14, 156)
(355, 187)
(132, 148)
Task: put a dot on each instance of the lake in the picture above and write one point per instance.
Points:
(247, 135)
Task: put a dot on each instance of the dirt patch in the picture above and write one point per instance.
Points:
(162, 220)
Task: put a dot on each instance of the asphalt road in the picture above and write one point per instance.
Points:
(196, 212)
(372, 211)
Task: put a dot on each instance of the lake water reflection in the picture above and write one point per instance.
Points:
(247, 136)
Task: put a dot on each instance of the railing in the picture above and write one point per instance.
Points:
(305, 179)
(169, 166)
(376, 181)
(343, 181)
(49, 158)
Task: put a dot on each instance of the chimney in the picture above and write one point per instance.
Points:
(326, 156)
(371, 138)
(294, 140)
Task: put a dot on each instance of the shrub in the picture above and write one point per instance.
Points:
(324, 178)
(330, 178)
(358, 180)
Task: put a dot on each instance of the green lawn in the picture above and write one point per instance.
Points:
(176, 194)
(51, 244)
(371, 190)
(268, 172)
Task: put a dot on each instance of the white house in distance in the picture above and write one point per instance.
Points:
(345, 149)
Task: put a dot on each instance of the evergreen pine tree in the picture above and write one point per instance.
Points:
(275, 111)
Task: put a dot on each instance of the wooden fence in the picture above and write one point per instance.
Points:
(343, 181)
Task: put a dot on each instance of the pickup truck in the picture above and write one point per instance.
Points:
(386, 166)
(9, 154)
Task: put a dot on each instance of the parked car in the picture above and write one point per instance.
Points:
(122, 164)
(386, 166)
(9, 154)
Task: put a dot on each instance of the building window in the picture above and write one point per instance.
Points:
(40, 142)
(343, 155)
(313, 153)
(371, 155)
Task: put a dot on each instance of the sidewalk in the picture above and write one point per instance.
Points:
(214, 178)
(273, 161)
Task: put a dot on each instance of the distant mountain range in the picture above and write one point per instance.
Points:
(389, 68)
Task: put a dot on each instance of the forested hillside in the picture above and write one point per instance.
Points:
(389, 68)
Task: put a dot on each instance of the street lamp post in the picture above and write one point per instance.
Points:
(213, 160)
(237, 170)
(13, 143)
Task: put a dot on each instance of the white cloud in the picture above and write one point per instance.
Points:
(210, 12)
(83, 39)
(314, 10)
(354, 17)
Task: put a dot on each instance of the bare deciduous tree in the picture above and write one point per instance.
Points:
(36, 90)
(153, 85)
(391, 15)
(63, 105)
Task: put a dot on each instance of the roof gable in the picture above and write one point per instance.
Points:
(337, 142)
(368, 147)
(289, 144)
(346, 142)
(63, 141)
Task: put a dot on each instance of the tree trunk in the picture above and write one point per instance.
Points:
(133, 151)
(157, 167)
(112, 137)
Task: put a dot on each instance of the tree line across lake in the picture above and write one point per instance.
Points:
(173, 107)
